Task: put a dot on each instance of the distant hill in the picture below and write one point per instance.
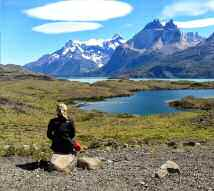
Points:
(77, 57)
(16, 72)
(151, 45)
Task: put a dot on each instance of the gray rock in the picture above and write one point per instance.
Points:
(171, 167)
(167, 168)
(89, 163)
(63, 163)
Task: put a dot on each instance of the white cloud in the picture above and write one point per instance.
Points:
(65, 27)
(188, 8)
(81, 10)
(200, 23)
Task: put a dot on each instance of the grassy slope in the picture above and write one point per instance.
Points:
(26, 107)
(15, 72)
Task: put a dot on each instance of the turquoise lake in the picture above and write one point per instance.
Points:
(145, 102)
(96, 79)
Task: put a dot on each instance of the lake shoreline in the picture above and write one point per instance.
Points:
(132, 92)
(148, 98)
(96, 79)
(30, 104)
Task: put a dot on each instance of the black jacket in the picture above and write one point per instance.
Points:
(61, 131)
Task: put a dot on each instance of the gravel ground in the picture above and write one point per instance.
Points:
(124, 170)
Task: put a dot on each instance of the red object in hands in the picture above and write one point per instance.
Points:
(77, 145)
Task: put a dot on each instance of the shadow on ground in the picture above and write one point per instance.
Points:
(45, 165)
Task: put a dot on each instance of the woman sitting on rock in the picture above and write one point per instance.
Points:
(61, 130)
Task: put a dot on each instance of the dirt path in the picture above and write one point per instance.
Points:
(124, 170)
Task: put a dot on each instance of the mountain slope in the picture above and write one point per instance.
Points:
(77, 58)
(195, 62)
(150, 45)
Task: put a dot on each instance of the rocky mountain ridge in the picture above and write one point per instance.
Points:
(77, 57)
(156, 42)
(194, 62)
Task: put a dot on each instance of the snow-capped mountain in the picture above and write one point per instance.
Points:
(77, 57)
(165, 38)
(152, 43)
(192, 38)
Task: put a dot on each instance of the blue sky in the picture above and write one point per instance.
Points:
(32, 28)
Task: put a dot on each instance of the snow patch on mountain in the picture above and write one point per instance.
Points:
(78, 56)
(166, 38)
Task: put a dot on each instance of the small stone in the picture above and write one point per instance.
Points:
(102, 158)
(89, 163)
(142, 183)
(109, 161)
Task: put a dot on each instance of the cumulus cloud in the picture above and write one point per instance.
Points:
(81, 10)
(188, 8)
(200, 23)
(66, 27)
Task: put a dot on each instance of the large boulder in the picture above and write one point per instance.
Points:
(89, 163)
(167, 168)
(64, 163)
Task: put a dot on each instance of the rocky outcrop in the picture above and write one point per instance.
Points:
(190, 102)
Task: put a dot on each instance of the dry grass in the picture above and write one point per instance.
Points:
(28, 105)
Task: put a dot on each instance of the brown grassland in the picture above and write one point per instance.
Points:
(26, 106)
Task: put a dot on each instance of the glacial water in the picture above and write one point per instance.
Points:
(96, 79)
(145, 102)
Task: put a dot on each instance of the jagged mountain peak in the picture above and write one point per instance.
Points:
(77, 57)
(153, 41)
(69, 43)
(156, 42)
(96, 42)
(171, 25)
(117, 37)
(167, 38)
(155, 24)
